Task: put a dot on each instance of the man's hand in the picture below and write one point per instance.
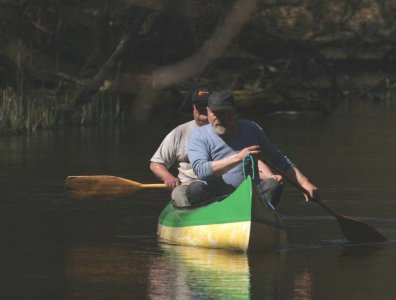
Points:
(278, 178)
(312, 190)
(161, 171)
(253, 150)
(171, 182)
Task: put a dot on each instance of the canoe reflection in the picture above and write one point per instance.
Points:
(200, 272)
(138, 270)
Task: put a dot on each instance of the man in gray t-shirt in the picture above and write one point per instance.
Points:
(174, 149)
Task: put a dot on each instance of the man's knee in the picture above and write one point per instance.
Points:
(271, 184)
(197, 192)
(179, 196)
(271, 190)
(187, 195)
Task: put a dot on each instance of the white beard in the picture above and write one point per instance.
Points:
(220, 130)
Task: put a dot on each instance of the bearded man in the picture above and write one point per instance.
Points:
(216, 152)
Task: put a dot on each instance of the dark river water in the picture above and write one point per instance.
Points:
(54, 248)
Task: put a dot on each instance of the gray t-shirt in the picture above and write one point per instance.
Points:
(174, 148)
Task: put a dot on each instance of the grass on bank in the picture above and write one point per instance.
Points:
(39, 109)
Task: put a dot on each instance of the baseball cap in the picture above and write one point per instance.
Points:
(200, 95)
(221, 100)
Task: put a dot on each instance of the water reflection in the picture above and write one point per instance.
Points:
(201, 273)
(220, 274)
(120, 270)
(303, 285)
(139, 268)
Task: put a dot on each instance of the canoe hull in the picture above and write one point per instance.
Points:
(239, 222)
(226, 236)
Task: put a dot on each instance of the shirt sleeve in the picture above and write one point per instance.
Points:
(199, 155)
(272, 153)
(167, 152)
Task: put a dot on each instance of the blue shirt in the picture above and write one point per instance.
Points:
(205, 146)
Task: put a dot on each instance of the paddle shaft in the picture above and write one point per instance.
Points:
(153, 185)
(299, 187)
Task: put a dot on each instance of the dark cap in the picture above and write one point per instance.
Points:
(200, 95)
(221, 100)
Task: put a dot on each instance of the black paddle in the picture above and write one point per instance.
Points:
(354, 230)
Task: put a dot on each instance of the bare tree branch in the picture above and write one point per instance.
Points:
(196, 63)
(84, 95)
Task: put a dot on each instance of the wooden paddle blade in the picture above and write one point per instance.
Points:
(359, 232)
(100, 186)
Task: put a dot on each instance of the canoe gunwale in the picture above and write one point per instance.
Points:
(203, 204)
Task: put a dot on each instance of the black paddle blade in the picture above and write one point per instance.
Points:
(359, 232)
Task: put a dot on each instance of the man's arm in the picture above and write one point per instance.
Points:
(294, 174)
(164, 158)
(162, 172)
(284, 165)
(266, 173)
(201, 158)
(221, 166)
(303, 181)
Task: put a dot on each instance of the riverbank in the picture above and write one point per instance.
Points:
(41, 109)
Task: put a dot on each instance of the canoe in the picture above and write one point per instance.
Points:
(240, 221)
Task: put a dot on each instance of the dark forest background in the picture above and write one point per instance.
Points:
(68, 62)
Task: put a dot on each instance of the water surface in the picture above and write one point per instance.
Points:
(55, 248)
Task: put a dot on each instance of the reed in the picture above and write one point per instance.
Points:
(38, 109)
(103, 109)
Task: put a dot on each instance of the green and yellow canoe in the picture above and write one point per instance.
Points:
(238, 222)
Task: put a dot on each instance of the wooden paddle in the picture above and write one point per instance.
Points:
(104, 187)
(354, 230)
